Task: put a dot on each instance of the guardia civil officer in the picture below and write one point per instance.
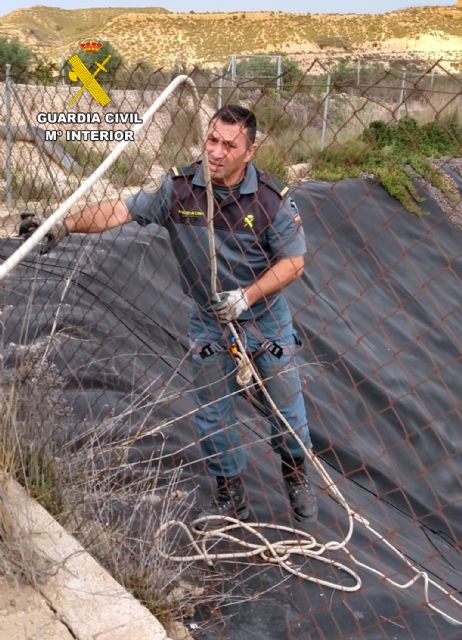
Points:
(260, 248)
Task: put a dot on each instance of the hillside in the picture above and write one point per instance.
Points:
(165, 38)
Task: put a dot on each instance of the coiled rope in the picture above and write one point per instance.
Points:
(304, 545)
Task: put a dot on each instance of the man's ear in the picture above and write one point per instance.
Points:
(251, 152)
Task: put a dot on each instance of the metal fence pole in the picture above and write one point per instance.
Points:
(279, 74)
(233, 67)
(401, 95)
(326, 110)
(9, 140)
(220, 90)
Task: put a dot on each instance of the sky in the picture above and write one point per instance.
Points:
(298, 6)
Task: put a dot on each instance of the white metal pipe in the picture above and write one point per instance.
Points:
(55, 217)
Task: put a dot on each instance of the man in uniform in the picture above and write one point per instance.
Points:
(260, 246)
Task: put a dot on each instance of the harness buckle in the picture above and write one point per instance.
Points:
(206, 351)
(274, 348)
(210, 349)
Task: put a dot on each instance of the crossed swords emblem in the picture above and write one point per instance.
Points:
(88, 80)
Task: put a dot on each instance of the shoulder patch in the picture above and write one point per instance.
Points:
(273, 183)
(179, 172)
(295, 212)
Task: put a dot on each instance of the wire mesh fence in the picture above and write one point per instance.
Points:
(119, 393)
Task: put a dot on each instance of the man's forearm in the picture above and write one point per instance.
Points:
(95, 218)
(276, 278)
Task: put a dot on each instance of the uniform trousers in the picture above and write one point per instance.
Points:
(214, 380)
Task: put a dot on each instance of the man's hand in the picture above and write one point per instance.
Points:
(30, 223)
(230, 305)
(57, 233)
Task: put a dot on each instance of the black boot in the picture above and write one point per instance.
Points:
(230, 501)
(299, 488)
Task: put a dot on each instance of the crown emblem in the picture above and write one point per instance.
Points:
(91, 46)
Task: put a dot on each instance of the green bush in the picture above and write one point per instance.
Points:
(272, 116)
(340, 161)
(391, 151)
(46, 72)
(17, 55)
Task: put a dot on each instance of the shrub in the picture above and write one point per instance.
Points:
(46, 72)
(15, 54)
(391, 151)
(272, 115)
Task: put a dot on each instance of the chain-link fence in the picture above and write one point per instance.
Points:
(119, 394)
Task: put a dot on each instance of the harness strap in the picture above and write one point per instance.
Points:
(271, 346)
(210, 349)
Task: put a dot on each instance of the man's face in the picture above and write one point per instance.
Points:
(228, 151)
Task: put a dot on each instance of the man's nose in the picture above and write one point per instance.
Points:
(218, 151)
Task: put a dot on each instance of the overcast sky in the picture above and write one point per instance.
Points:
(300, 6)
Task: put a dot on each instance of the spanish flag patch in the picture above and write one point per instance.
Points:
(295, 213)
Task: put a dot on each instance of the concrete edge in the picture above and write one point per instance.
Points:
(88, 601)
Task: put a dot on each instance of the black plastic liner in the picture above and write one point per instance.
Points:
(379, 310)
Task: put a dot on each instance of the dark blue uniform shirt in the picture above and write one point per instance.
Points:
(246, 244)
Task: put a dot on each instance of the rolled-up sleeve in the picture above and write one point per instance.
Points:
(286, 235)
(146, 207)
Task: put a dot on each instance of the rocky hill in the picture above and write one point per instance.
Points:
(161, 37)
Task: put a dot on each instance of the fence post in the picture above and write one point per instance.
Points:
(326, 110)
(220, 90)
(279, 74)
(9, 140)
(401, 95)
(233, 68)
(358, 72)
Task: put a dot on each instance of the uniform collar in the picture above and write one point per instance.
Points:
(249, 184)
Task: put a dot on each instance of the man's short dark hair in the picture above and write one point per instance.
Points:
(235, 114)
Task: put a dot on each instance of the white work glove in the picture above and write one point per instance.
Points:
(230, 305)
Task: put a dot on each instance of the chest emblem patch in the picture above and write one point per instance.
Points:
(248, 220)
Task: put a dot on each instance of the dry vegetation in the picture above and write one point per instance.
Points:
(83, 477)
(162, 37)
